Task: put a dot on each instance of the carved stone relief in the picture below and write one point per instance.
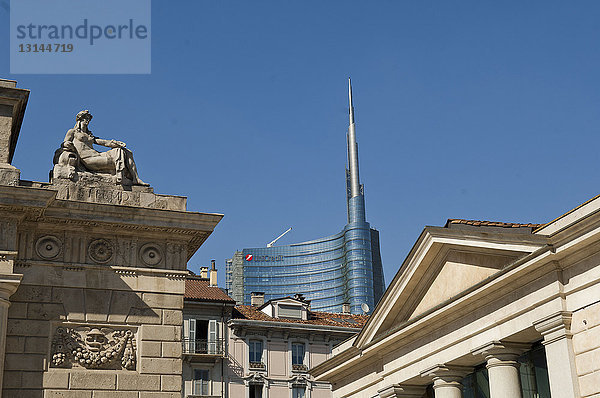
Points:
(151, 254)
(93, 348)
(100, 251)
(48, 247)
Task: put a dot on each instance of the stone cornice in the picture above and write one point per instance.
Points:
(436, 238)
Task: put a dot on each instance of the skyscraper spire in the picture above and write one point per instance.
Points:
(350, 101)
(352, 150)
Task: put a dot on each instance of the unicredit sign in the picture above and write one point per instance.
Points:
(250, 257)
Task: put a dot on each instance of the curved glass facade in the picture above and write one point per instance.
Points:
(328, 271)
(342, 268)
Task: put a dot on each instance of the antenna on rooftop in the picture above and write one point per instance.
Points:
(279, 237)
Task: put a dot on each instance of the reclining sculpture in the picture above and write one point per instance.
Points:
(77, 155)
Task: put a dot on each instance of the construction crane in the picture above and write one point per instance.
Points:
(279, 237)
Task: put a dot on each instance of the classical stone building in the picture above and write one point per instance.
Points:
(92, 270)
(484, 309)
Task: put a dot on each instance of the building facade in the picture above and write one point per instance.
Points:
(342, 268)
(273, 345)
(484, 310)
(206, 311)
(92, 271)
(262, 350)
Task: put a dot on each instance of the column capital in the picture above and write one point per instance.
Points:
(555, 326)
(401, 391)
(500, 349)
(449, 373)
(8, 285)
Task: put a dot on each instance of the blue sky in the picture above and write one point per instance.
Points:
(471, 109)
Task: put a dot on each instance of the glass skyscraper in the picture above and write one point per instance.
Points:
(342, 268)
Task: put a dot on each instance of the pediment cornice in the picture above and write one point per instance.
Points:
(435, 247)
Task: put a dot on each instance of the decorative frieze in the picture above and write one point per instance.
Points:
(93, 347)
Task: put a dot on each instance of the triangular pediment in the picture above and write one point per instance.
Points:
(444, 264)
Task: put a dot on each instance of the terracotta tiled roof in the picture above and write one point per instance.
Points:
(198, 289)
(478, 223)
(315, 318)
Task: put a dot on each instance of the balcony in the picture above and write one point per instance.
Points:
(257, 366)
(299, 368)
(203, 350)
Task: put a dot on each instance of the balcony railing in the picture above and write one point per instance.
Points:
(257, 365)
(299, 367)
(204, 347)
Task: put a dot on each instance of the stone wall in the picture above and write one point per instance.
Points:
(52, 298)
(585, 327)
(98, 312)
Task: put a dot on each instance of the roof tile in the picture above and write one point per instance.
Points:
(491, 223)
(199, 289)
(315, 317)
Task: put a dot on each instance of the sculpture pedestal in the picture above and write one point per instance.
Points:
(98, 188)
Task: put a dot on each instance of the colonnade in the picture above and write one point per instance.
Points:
(501, 361)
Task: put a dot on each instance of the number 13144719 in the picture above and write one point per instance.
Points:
(46, 48)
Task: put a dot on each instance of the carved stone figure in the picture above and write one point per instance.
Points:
(77, 154)
(93, 348)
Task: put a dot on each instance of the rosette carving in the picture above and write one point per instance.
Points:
(100, 250)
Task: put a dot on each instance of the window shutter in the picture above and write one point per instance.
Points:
(212, 336)
(192, 336)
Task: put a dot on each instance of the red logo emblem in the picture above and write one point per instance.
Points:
(248, 257)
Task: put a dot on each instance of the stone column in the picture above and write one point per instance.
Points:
(447, 380)
(503, 367)
(560, 356)
(401, 391)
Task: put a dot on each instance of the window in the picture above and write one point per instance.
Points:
(298, 391)
(202, 337)
(298, 351)
(290, 311)
(256, 391)
(256, 351)
(201, 382)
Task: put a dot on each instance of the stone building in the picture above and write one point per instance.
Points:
(484, 309)
(92, 270)
(206, 311)
(272, 345)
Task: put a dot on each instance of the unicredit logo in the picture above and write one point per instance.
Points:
(248, 257)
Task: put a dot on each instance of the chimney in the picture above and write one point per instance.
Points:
(213, 274)
(345, 308)
(13, 101)
(204, 272)
(257, 299)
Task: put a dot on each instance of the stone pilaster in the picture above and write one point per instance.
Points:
(447, 380)
(503, 367)
(560, 356)
(8, 285)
